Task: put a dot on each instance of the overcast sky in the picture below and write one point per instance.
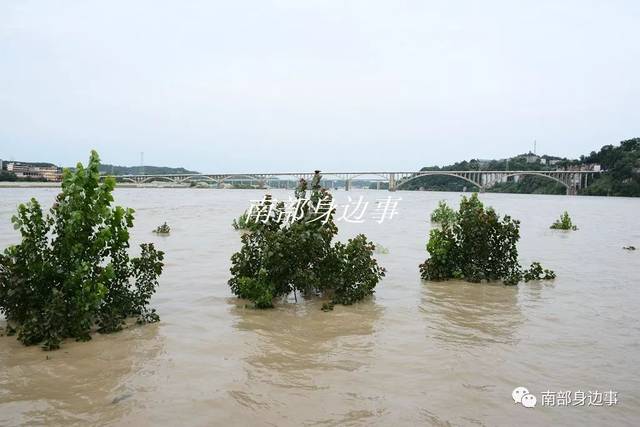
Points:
(288, 85)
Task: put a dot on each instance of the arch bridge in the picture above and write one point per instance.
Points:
(482, 180)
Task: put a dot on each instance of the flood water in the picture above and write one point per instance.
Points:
(418, 353)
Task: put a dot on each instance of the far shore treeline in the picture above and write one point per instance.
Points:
(621, 164)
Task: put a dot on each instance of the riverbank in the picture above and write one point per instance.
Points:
(14, 184)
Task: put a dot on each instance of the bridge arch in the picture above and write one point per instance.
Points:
(156, 178)
(126, 179)
(196, 178)
(242, 176)
(439, 173)
(537, 174)
(385, 177)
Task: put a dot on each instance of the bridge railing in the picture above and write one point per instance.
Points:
(483, 179)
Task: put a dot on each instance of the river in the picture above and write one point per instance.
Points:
(418, 353)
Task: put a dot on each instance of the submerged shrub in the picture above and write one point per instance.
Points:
(564, 223)
(381, 249)
(163, 229)
(279, 257)
(242, 223)
(536, 272)
(72, 272)
(478, 245)
(443, 214)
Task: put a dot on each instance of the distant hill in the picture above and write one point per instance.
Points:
(621, 164)
(35, 164)
(142, 170)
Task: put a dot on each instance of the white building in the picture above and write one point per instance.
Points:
(25, 170)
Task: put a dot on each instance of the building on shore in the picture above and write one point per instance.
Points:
(48, 172)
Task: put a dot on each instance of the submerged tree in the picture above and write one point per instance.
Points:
(280, 256)
(242, 223)
(72, 272)
(478, 245)
(163, 229)
(564, 223)
(443, 214)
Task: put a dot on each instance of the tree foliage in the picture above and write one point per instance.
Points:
(279, 257)
(478, 245)
(622, 165)
(8, 176)
(564, 223)
(443, 214)
(242, 223)
(71, 272)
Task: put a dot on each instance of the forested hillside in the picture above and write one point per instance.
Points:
(621, 164)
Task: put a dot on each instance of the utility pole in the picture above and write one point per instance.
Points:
(142, 163)
(535, 144)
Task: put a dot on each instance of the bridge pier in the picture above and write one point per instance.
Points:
(392, 182)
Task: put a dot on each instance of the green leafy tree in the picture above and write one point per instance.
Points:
(564, 223)
(443, 214)
(279, 257)
(72, 272)
(242, 223)
(478, 245)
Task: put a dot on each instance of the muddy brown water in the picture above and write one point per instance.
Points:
(418, 353)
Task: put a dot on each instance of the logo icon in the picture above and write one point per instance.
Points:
(521, 395)
(517, 394)
(529, 401)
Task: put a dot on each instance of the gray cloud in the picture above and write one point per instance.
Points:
(298, 85)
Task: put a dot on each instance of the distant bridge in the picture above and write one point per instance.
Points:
(483, 180)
